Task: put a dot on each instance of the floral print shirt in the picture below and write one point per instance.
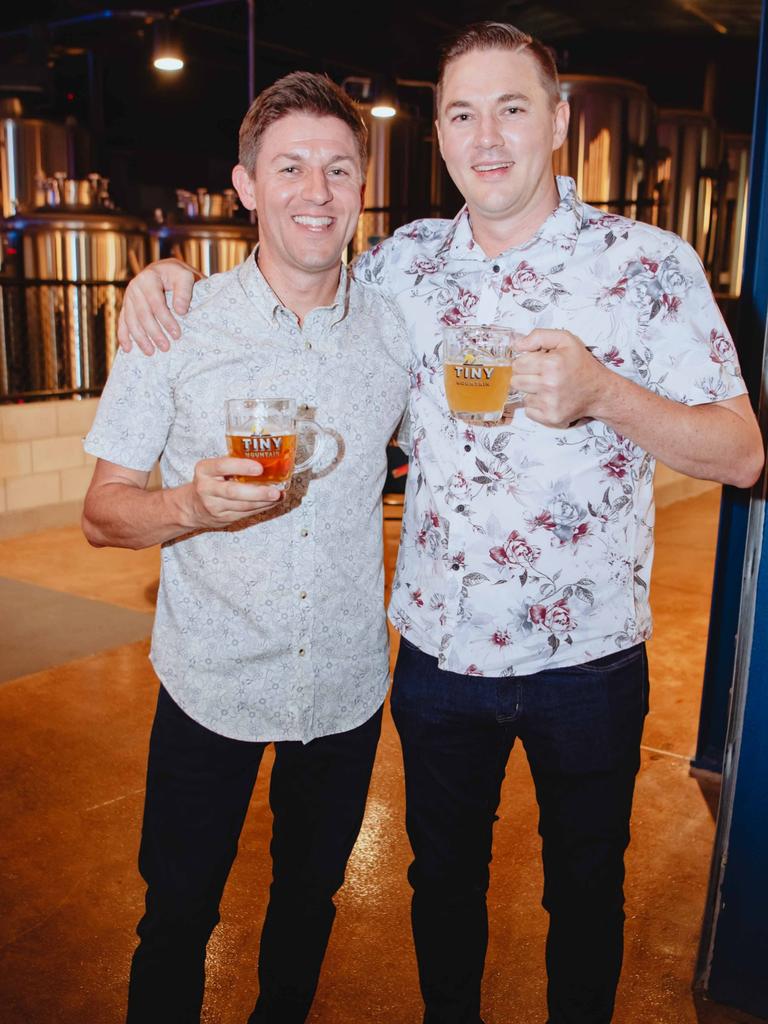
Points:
(526, 547)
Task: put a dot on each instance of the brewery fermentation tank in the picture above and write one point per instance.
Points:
(609, 142)
(732, 193)
(689, 145)
(30, 149)
(405, 175)
(64, 272)
(374, 223)
(205, 233)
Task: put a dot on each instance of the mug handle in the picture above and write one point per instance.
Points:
(514, 396)
(308, 426)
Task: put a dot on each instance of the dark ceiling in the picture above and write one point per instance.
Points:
(556, 19)
(180, 130)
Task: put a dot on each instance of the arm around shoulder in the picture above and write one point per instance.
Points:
(145, 317)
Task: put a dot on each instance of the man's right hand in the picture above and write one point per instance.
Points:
(213, 499)
(145, 317)
(120, 512)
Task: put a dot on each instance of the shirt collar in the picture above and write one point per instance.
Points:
(258, 290)
(559, 231)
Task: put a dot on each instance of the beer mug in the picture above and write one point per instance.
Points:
(477, 362)
(267, 430)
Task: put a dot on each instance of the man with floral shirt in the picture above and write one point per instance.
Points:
(521, 591)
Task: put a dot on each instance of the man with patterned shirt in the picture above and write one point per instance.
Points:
(254, 641)
(521, 591)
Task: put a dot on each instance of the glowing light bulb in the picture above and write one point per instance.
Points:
(168, 63)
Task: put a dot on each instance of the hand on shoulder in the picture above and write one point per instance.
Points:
(145, 318)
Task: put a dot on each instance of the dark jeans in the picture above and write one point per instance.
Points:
(581, 730)
(199, 785)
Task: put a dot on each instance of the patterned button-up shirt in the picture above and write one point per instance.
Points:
(526, 547)
(273, 629)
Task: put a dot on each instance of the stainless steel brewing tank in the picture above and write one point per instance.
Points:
(64, 272)
(32, 149)
(211, 246)
(731, 227)
(689, 144)
(606, 150)
(374, 223)
(205, 233)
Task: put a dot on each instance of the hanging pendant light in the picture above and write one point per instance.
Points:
(167, 54)
(384, 98)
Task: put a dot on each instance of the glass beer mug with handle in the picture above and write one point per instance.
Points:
(477, 361)
(267, 430)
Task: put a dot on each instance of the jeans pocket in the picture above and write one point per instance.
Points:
(622, 659)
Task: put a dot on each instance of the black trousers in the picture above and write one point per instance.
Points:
(199, 785)
(581, 729)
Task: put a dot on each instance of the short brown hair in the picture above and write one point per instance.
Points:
(496, 35)
(302, 92)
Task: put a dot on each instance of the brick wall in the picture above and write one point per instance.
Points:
(44, 471)
(42, 461)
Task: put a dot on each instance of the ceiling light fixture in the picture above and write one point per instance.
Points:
(384, 99)
(166, 49)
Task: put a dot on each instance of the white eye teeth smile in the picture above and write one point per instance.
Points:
(491, 167)
(314, 222)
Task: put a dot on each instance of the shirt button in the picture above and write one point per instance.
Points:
(496, 268)
(303, 595)
(307, 345)
(456, 566)
(301, 652)
(305, 533)
(467, 447)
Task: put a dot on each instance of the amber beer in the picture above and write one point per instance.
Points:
(477, 363)
(276, 454)
(267, 431)
(477, 387)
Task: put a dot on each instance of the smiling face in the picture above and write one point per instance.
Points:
(307, 191)
(497, 128)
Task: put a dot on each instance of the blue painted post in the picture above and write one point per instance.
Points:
(734, 508)
(736, 963)
(723, 625)
(733, 965)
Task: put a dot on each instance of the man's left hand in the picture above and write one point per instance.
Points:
(559, 377)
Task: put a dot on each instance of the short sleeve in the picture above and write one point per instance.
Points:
(688, 354)
(135, 412)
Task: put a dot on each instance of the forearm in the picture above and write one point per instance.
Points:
(124, 516)
(708, 441)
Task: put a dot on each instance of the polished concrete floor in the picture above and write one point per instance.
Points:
(75, 729)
